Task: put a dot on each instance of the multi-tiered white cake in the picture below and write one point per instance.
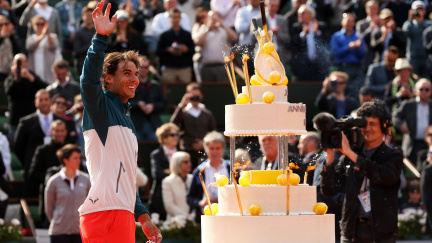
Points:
(287, 213)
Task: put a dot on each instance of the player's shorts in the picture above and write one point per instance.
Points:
(108, 226)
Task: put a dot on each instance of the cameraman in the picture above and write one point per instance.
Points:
(370, 177)
(413, 29)
(332, 97)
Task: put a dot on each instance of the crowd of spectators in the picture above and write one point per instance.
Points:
(359, 50)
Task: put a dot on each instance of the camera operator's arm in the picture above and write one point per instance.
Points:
(332, 176)
(346, 149)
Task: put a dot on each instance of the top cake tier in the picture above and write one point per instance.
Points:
(278, 118)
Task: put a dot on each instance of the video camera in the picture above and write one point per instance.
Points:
(331, 130)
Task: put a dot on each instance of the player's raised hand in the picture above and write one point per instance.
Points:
(103, 24)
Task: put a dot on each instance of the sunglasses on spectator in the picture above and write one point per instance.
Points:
(424, 89)
(60, 103)
(40, 24)
(430, 135)
(172, 135)
(4, 24)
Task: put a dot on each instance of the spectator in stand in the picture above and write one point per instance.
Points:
(162, 21)
(214, 38)
(194, 121)
(124, 37)
(402, 86)
(292, 15)
(413, 29)
(414, 197)
(214, 145)
(388, 35)
(20, 90)
(227, 10)
(188, 7)
(176, 185)
(175, 49)
(269, 158)
(9, 46)
(423, 155)
(6, 11)
(64, 194)
(4, 188)
(168, 136)
(400, 9)
(76, 112)
(278, 26)
(348, 50)
(148, 103)
(64, 83)
(380, 75)
(366, 28)
(426, 189)
(59, 107)
(70, 16)
(50, 14)
(309, 46)
(148, 9)
(34, 130)
(43, 48)
(243, 21)
(332, 98)
(413, 117)
(6, 156)
(308, 147)
(82, 38)
(44, 158)
(200, 24)
(366, 94)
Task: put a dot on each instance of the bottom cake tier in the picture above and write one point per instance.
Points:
(263, 229)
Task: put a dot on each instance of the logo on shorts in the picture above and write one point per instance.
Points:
(93, 200)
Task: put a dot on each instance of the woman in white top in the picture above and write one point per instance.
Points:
(43, 49)
(176, 185)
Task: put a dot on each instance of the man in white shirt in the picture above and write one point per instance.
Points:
(161, 22)
(227, 10)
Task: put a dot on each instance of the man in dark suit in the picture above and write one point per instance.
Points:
(379, 75)
(64, 83)
(413, 117)
(309, 46)
(308, 148)
(291, 16)
(34, 130)
(20, 91)
(148, 103)
(45, 157)
(278, 24)
(388, 35)
(365, 28)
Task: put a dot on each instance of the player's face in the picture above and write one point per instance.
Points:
(125, 81)
(73, 162)
(372, 132)
(215, 151)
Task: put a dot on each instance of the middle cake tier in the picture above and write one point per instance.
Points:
(271, 198)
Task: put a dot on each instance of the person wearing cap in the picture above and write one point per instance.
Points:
(413, 117)
(413, 29)
(402, 86)
(388, 35)
(124, 37)
(379, 75)
(400, 10)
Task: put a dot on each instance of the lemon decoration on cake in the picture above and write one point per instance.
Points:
(268, 97)
(294, 179)
(320, 208)
(282, 180)
(242, 99)
(244, 180)
(255, 209)
(207, 209)
(221, 180)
